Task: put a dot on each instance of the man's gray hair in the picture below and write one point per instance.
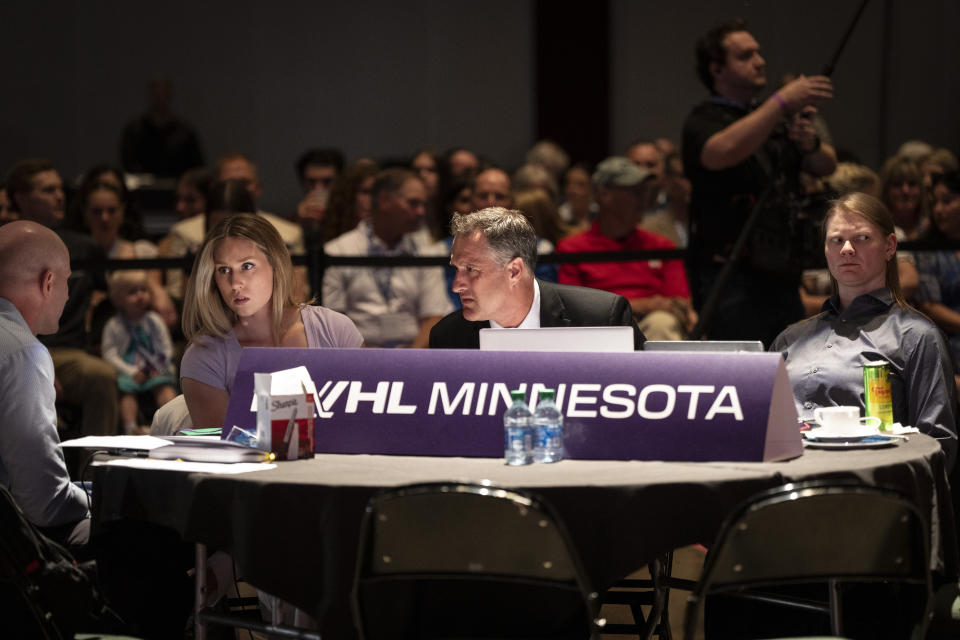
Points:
(508, 232)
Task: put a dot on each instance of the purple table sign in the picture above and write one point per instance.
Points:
(691, 407)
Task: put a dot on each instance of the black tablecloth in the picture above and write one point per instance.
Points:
(293, 530)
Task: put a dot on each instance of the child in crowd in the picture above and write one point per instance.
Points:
(137, 343)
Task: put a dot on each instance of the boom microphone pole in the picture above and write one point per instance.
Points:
(830, 66)
(710, 305)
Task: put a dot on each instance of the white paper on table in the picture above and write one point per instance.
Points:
(898, 429)
(189, 467)
(132, 443)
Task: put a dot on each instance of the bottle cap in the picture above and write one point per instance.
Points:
(517, 394)
(546, 394)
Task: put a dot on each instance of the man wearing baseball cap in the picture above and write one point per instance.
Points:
(658, 291)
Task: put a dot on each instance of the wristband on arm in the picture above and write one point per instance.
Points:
(780, 101)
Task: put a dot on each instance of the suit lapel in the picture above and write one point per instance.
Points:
(553, 313)
(474, 333)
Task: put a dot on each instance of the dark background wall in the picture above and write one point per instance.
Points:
(382, 78)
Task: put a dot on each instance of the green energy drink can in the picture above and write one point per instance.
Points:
(876, 393)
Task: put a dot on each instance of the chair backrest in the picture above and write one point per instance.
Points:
(171, 418)
(457, 560)
(814, 532)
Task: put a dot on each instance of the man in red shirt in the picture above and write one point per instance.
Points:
(657, 289)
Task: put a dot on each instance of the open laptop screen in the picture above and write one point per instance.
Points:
(754, 346)
(596, 339)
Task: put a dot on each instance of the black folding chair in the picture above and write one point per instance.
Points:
(469, 561)
(44, 593)
(653, 593)
(817, 532)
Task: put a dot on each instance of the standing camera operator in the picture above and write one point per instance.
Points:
(734, 148)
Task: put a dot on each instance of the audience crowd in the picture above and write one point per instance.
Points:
(367, 208)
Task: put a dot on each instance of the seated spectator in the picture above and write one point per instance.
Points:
(541, 209)
(535, 176)
(137, 344)
(240, 294)
(457, 198)
(674, 219)
(578, 208)
(939, 161)
(494, 253)
(657, 289)
(34, 289)
(849, 177)
(82, 380)
(663, 216)
(236, 166)
(426, 164)
(350, 199)
(551, 156)
(392, 307)
(7, 214)
(103, 208)
(459, 162)
(493, 188)
(192, 188)
(34, 274)
(317, 172)
(901, 189)
(132, 227)
(225, 198)
(914, 150)
(865, 320)
(939, 292)
(34, 269)
(646, 155)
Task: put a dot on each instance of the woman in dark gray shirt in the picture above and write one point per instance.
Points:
(867, 320)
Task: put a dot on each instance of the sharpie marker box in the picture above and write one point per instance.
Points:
(284, 402)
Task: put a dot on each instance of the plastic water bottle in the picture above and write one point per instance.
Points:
(518, 432)
(547, 429)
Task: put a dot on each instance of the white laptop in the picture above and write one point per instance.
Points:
(752, 346)
(596, 339)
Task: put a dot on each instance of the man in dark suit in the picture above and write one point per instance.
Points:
(494, 253)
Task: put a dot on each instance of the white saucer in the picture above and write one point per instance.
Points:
(822, 435)
(864, 442)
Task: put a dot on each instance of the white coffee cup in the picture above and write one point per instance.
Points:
(844, 420)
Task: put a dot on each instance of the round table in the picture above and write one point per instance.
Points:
(293, 530)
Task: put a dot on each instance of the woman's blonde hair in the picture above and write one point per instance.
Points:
(877, 214)
(204, 310)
